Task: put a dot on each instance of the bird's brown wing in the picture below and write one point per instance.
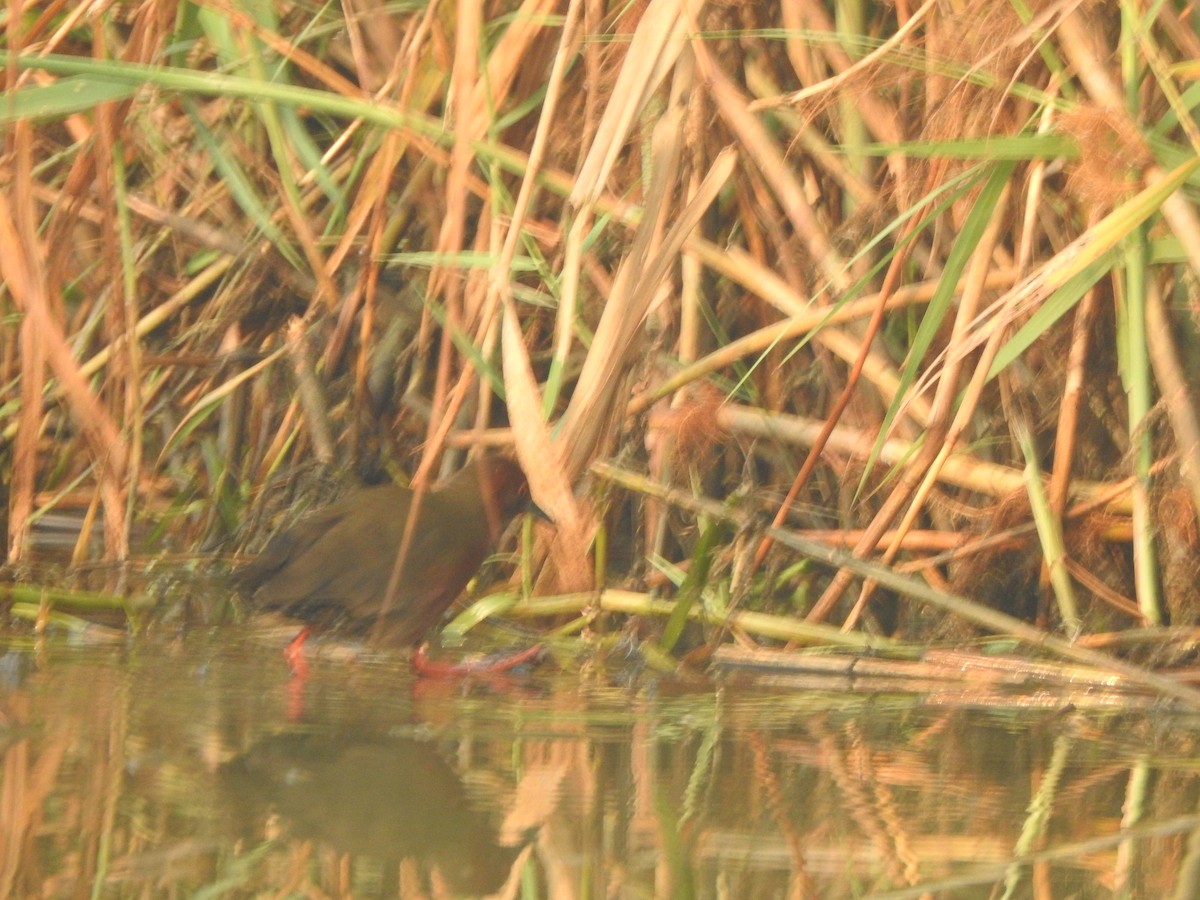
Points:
(334, 568)
(446, 552)
(287, 546)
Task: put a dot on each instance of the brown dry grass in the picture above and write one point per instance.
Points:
(365, 239)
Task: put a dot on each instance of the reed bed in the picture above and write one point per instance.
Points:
(917, 283)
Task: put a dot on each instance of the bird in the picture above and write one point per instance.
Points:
(332, 570)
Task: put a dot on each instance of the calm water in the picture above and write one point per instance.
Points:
(201, 769)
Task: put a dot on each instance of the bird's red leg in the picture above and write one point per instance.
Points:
(294, 654)
(493, 665)
(298, 664)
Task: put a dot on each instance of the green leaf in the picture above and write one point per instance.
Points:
(1018, 148)
(70, 95)
(1056, 306)
(939, 305)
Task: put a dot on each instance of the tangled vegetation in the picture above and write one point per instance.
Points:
(824, 329)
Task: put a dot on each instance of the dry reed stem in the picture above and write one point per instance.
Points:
(944, 432)
(525, 33)
(803, 319)
(966, 669)
(657, 41)
(883, 122)
(786, 189)
(915, 540)
(28, 423)
(1068, 412)
(954, 604)
(21, 256)
(542, 459)
(442, 279)
(543, 464)
(367, 210)
(1176, 395)
(375, 42)
(588, 413)
(1089, 580)
(656, 44)
(835, 413)
(960, 468)
(1026, 296)
(763, 254)
(308, 392)
(862, 65)
(588, 419)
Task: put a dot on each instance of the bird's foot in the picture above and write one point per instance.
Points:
(426, 667)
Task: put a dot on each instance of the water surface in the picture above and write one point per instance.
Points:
(200, 767)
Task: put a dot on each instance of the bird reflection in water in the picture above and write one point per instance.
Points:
(389, 799)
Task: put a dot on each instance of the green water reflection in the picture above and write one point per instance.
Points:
(199, 768)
